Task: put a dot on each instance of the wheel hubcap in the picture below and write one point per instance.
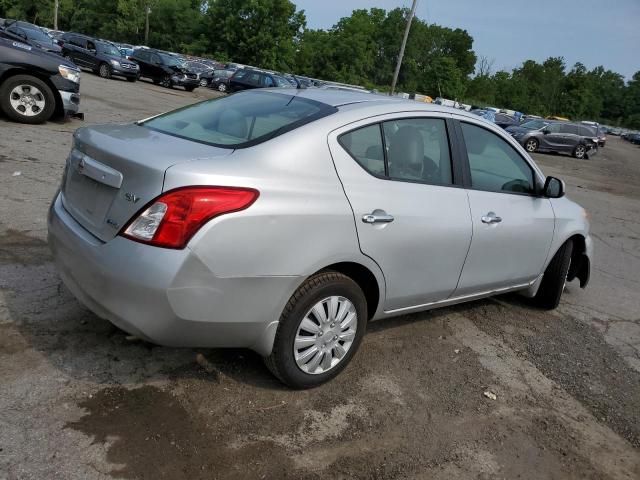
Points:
(579, 151)
(27, 100)
(222, 87)
(103, 70)
(325, 335)
(531, 146)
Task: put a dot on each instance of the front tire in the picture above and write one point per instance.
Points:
(27, 99)
(222, 88)
(555, 278)
(531, 145)
(204, 82)
(580, 152)
(166, 81)
(104, 70)
(320, 331)
(131, 79)
(189, 89)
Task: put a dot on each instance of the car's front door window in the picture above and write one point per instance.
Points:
(495, 165)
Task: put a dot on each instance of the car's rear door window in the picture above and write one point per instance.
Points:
(240, 120)
(495, 165)
(418, 150)
(412, 149)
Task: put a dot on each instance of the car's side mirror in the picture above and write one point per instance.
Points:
(545, 131)
(93, 50)
(553, 188)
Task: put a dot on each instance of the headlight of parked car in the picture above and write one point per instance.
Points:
(69, 73)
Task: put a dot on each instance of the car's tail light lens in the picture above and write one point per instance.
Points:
(173, 218)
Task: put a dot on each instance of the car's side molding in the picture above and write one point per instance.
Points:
(461, 299)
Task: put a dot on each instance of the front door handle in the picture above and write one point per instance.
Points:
(377, 216)
(491, 218)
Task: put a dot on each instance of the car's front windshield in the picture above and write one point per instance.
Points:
(534, 124)
(171, 61)
(39, 35)
(108, 49)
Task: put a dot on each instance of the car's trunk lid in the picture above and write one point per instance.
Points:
(115, 170)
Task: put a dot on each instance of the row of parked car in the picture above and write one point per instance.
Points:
(553, 134)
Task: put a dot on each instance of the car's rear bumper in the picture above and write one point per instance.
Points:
(168, 297)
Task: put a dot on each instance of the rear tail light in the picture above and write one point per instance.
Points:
(174, 217)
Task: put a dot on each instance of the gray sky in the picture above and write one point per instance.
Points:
(594, 32)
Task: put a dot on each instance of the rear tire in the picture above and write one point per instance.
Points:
(555, 278)
(204, 82)
(131, 79)
(328, 339)
(222, 88)
(27, 99)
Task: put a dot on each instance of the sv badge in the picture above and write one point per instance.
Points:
(131, 197)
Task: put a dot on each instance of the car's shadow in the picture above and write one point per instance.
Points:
(43, 316)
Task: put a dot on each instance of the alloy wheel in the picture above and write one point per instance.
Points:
(325, 335)
(203, 82)
(531, 145)
(580, 151)
(27, 100)
(222, 87)
(104, 70)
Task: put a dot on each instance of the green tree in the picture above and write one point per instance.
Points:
(255, 32)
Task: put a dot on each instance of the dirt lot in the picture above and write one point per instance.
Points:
(80, 401)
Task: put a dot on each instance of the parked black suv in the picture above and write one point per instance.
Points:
(164, 69)
(100, 56)
(31, 34)
(217, 79)
(247, 79)
(34, 85)
(553, 136)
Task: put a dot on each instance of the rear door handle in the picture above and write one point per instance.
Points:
(377, 216)
(491, 218)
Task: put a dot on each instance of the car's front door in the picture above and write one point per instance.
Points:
(91, 55)
(410, 216)
(512, 225)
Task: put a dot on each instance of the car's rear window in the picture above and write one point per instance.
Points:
(240, 120)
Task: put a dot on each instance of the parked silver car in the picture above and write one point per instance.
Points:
(285, 220)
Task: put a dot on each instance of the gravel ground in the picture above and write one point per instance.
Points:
(79, 400)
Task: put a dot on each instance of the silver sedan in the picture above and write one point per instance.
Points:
(285, 220)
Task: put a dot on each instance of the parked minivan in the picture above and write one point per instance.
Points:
(570, 138)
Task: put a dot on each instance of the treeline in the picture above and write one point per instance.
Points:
(360, 49)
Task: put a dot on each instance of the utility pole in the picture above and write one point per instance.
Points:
(146, 24)
(402, 47)
(56, 4)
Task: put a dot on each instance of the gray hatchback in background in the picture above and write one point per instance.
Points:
(576, 139)
(285, 220)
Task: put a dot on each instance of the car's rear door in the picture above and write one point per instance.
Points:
(512, 225)
(79, 52)
(411, 216)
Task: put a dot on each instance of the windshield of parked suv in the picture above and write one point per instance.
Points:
(534, 124)
(240, 120)
(108, 49)
(39, 35)
(281, 81)
(223, 73)
(170, 60)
